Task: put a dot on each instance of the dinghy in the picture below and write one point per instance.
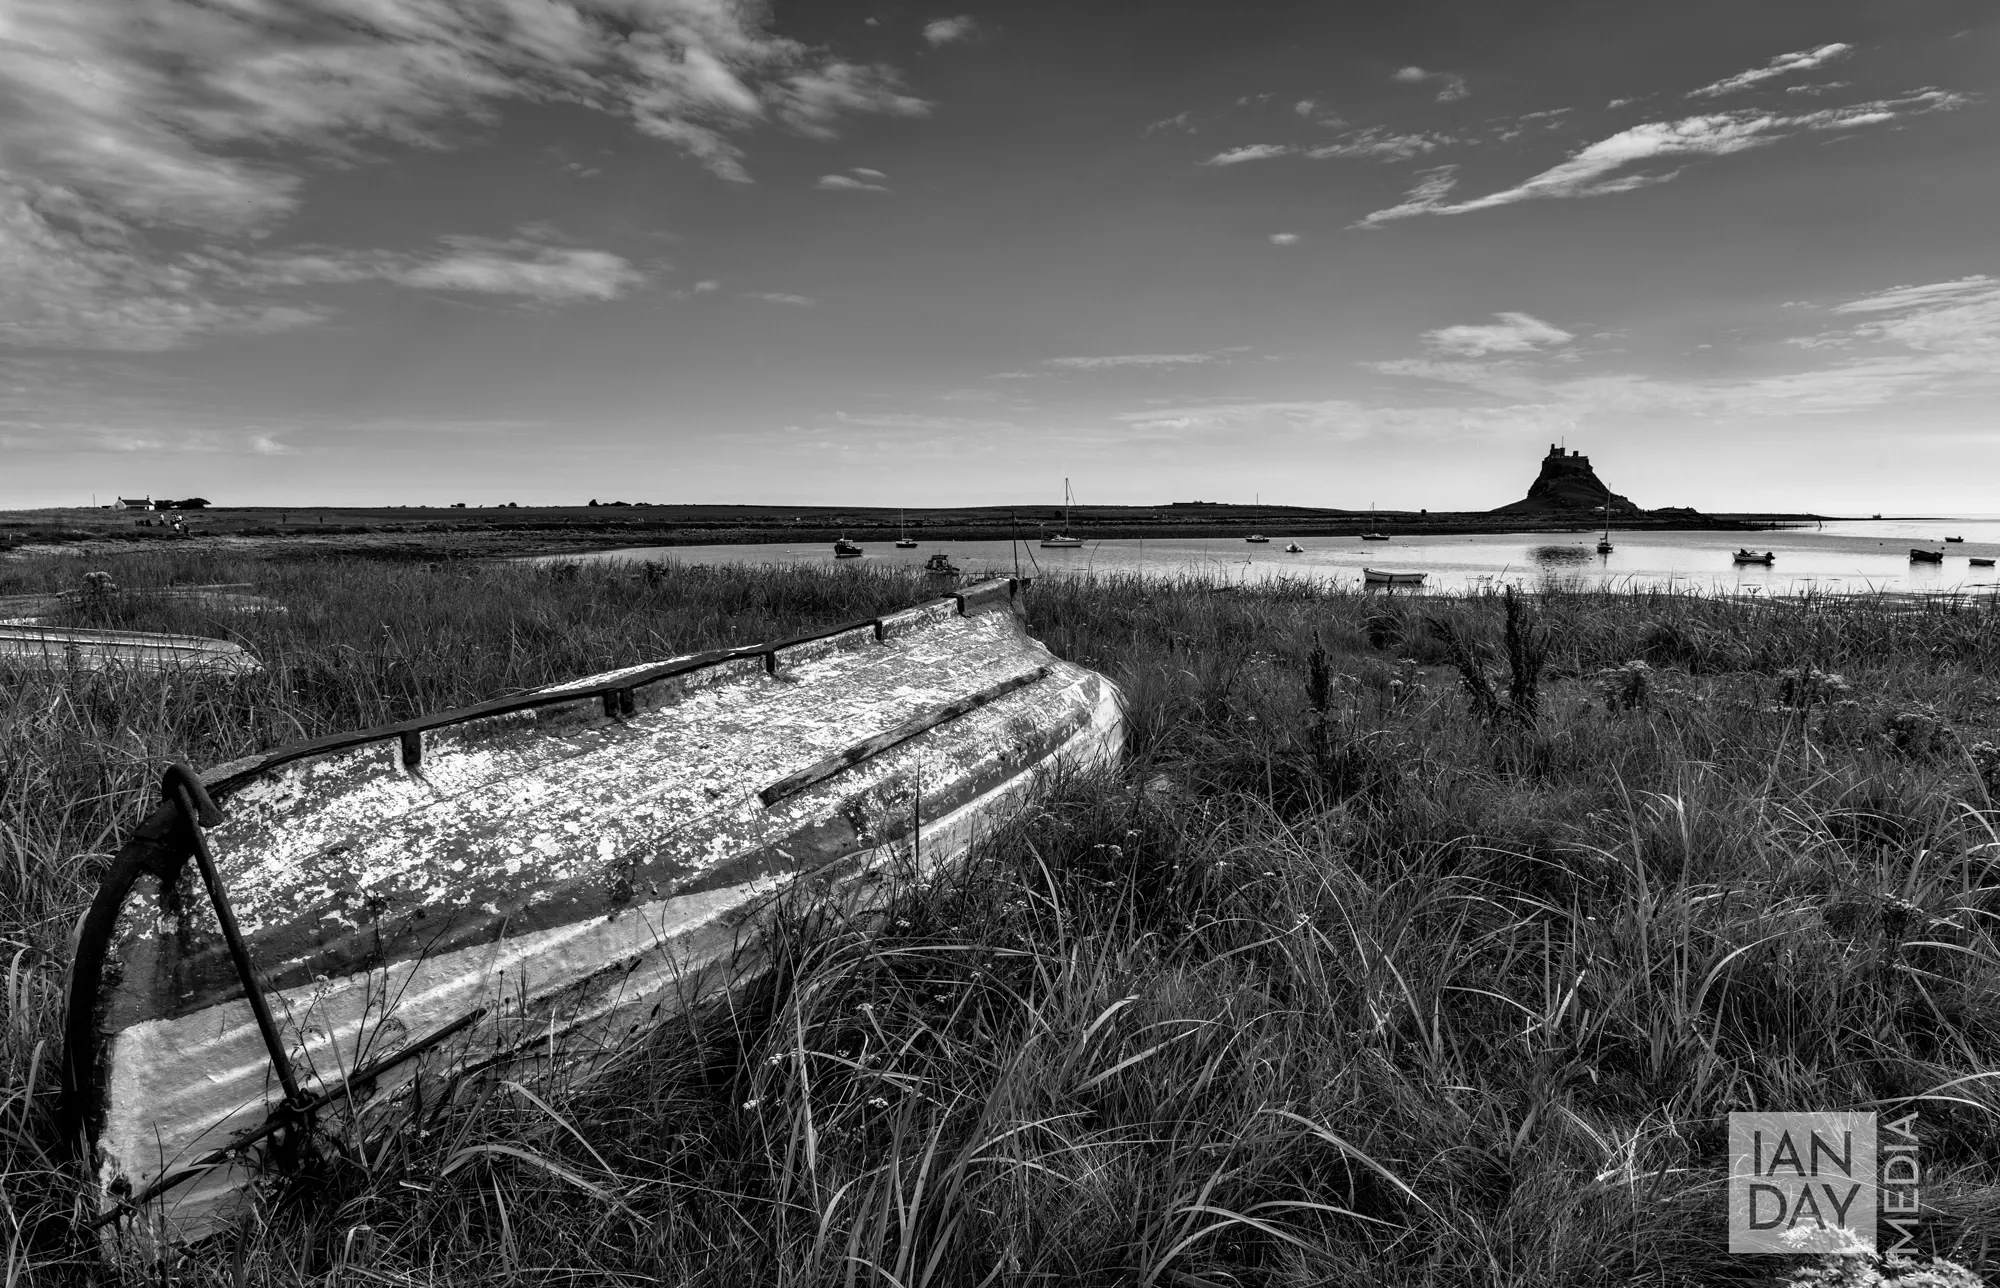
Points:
(1926, 556)
(19, 610)
(1752, 557)
(1380, 577)
(52, 648)
(285, 944)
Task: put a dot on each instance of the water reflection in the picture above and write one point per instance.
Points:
(1850, 557)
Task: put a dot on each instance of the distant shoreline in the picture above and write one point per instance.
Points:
(396, 532)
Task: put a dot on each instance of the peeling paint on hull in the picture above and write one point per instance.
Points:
(571, 877)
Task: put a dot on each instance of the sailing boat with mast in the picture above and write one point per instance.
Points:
(904, 541)
(1057, 540)
(1604, 542)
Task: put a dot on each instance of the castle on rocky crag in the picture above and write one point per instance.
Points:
(1567, 483)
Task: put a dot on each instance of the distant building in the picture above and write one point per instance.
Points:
(128, 503)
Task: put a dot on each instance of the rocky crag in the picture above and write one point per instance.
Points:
(1567, 483)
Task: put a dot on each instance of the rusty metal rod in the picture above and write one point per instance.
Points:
(239, 953)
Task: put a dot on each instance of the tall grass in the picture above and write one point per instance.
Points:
(1348, 976)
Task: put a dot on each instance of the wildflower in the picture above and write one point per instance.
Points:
(878, 1102)
(752, 1104)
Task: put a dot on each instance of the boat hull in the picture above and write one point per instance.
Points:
(1378, 577)
(544, 887)
(51, 648)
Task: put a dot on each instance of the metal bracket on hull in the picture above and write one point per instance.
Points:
(181, 785)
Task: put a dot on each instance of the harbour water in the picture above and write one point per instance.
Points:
(1848, 556)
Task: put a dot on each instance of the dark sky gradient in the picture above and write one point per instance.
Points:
(487, 290)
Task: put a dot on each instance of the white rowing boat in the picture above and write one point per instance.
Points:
(1380, 577)
(554, 873)
(75, 648)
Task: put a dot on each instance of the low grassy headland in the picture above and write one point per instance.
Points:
(1407, 948)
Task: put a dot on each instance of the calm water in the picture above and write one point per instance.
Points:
(1849, 556)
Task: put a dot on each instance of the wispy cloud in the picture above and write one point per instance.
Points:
(1250, 152)
(1593, 171)
(779, 297)
(848, 183)
(1182, 121)
(1783, 65)
(127, 140)
(952, 31)
(1928, 340)
(1452, 86)
(1381, 143)
(1155, 360)
(1511, 333)
(1285, 239)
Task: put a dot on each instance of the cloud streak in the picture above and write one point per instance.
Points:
(1512, 333)
(1783, 65)
(1595, 170)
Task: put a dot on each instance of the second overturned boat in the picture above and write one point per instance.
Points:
(76, 648)
(529, 883)
(1926, 556)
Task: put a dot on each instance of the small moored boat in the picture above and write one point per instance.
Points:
(845, 549)
(526, 886)
(1955, 540)
(1294, 548)
(1752, 557)
(904, 541)
(1374, 536)
(941, 565)
(1058, 540)
(1980, 563)
(1258, 539)
(1381, 577)
(1926, 556)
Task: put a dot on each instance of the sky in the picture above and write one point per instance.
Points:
(287, 252)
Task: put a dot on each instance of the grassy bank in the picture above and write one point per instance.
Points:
(1403, 951)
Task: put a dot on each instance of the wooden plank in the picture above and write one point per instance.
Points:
(820, 771)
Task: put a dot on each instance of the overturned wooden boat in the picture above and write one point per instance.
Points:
(526, 883)
(1977, 562)
(75, 648)
(233, 597)
(1381, 577)
(1926, 556)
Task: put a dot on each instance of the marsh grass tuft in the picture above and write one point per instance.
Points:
(1318, 989)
